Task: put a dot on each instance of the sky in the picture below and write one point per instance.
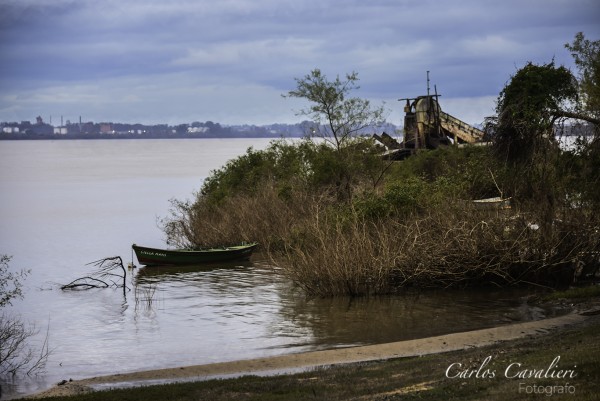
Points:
(230, 61)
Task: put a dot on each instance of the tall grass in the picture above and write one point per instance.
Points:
(443, 248)
(332, 249)
(265, 217)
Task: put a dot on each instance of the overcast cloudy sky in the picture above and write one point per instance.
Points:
(229, 61)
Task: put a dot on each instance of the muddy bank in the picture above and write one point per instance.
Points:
(295, 362)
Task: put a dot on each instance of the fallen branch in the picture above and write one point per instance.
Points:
(86, 283)
(103, 274)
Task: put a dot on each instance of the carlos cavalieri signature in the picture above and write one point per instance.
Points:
(514, 370)
(519, 371)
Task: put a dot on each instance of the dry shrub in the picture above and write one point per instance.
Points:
(266, 216)
(330, 249)
(330, 256)
(411, 230)
(443, 248)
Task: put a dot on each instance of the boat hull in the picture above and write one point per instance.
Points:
(155, 256)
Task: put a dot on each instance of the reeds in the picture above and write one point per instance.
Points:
(145, 295)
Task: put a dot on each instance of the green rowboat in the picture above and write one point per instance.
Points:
(154, 256)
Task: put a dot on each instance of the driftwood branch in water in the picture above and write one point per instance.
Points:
(105, 271)
(85, 283)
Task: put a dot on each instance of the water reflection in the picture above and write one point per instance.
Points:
(354, 321)
(258, 298)
(193, 315)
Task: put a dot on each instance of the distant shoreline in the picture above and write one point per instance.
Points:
(21, 137)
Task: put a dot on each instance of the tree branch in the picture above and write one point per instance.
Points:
(577, 116)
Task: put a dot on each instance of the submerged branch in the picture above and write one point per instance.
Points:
(85, 283)
(104, 272)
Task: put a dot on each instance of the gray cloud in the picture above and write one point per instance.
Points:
(229, 61)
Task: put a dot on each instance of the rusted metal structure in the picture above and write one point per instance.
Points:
(426, 126)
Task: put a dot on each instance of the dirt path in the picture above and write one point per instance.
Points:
(294, 362)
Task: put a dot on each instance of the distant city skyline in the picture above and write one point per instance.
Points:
(197, 129)
(193, 60)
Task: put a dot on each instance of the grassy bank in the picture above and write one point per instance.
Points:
(415, 378)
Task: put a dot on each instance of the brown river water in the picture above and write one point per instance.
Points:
(67, 203)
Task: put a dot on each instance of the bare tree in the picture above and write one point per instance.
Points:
(103, 277)
(16, 355)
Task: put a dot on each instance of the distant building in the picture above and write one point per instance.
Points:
(106, 128)
(10, 130)
(41, 128)
(197, 130)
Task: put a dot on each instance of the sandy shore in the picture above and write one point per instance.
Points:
(294, 362)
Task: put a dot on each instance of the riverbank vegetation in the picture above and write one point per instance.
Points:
(339, 219)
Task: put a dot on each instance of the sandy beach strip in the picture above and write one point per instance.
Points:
(294, 362)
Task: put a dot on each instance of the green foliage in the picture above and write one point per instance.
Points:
(303, 165)
(240, 174)
(281, 162)
(579, 168)
(535, 91)
(574, 293)
(465, 173)
(586, 54)
(10, 282)
(371, 206)
(527, 108)
(406, 196)
(415, 195)
(398, 199)
(585, 161)
(524, 135)
(276, 184)
(338, 117)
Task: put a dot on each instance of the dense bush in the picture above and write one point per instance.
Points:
(262, 194)
(399, 224)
